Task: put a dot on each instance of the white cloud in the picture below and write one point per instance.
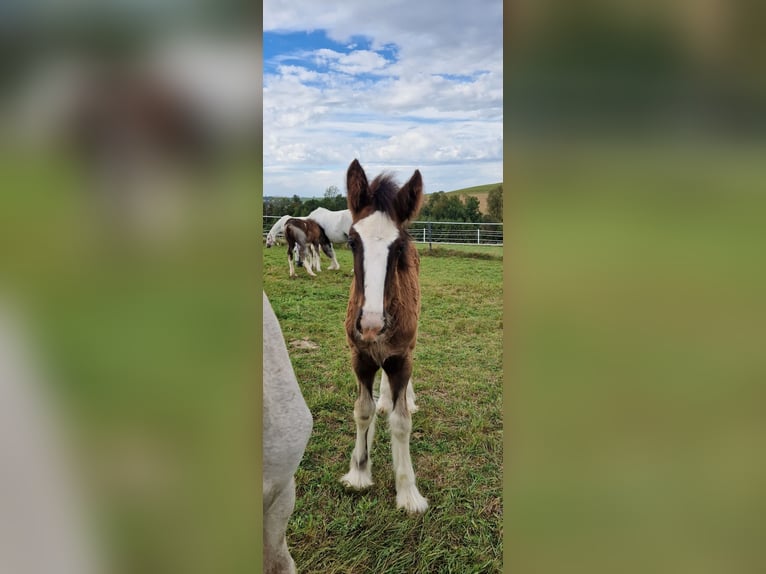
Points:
(355, 62)
(435, 105)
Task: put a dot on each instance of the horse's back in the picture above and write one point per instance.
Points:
(287, 421)
(336, 224)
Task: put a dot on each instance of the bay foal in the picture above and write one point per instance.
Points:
(382, 322)
(309, 236)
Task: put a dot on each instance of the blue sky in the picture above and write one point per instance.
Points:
(397, 85)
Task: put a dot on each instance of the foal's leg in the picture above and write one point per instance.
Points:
(306, 254)
(400, 422)
(317, 259)
(290, 259)
(385, 402)
(334, 264)
(309, 257)
(411, 406)
(359, 475)
(297, 255)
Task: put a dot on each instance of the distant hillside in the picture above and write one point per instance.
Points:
(480, 192)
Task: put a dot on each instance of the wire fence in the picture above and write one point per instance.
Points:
(448, 232)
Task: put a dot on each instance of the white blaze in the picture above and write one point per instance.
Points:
(377, 232)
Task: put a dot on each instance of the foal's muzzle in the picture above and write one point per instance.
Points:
(370, 325)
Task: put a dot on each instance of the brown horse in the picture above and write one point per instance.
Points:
(382, 322)
(309, 236)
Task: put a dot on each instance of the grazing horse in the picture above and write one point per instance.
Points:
(287, 425)
(309, 236)
(276, 229)
(382, 322)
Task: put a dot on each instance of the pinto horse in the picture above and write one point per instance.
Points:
(309, 236)
(335, 224)
(382, 322)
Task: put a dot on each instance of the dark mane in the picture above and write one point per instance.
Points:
(399, 204)
(384, 189)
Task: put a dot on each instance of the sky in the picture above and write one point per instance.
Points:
(398, 85)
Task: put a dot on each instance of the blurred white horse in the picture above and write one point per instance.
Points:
(44, 524)
(287, 425)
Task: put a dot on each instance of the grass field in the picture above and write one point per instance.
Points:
(457, 434)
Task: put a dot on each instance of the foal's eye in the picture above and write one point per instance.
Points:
(351, 243)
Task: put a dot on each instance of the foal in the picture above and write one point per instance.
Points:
(382, 322)
(310, 237)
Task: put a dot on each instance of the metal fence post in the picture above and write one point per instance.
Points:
(430, 236)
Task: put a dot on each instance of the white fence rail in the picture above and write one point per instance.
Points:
(449, 232)
(457, 233)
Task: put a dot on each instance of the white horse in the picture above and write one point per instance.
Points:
(287, 425)
(335, 223)
(277, 229)
(44, 524)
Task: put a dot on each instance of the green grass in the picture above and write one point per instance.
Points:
(471, 251)
(476, 190)
(457, 434)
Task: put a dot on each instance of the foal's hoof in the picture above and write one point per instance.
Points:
(356, 480)
(411, 501)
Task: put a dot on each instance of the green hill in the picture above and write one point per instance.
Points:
(480, 192)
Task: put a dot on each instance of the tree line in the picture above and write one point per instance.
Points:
(438, 206)
(296, 207)
(441, 206)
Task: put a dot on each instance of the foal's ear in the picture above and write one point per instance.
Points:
(410, 198)
(358, 188)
